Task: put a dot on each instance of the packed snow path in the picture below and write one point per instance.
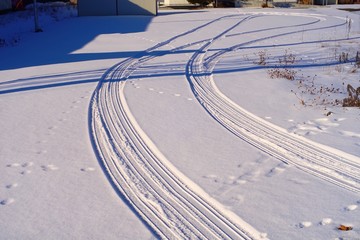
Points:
(167, 200)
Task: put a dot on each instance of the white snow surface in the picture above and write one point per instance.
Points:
(137, 127)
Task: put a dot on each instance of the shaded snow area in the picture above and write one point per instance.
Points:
(210, 124)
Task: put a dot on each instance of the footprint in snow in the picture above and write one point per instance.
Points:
(238, 199)
(27, 164)
(212, 177)
(351, 207)
(26, 172)
(350, 134)
(325, 221)
(41, 152)
(276, 170)
(304, 224)
(49, 167)
(88, 169)
(326, 122)
(7, 201)
(13, 185)
(299, 181)
(13, 165)
(53, 127)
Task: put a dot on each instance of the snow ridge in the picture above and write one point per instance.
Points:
(174, 206)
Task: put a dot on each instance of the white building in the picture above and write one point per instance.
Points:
(117, 7)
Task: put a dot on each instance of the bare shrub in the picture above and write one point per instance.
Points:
(282, 73)
(263, 56)
(287, 59)
(344, 57)
(314, 94)
(353, 97)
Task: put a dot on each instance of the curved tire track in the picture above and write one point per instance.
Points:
(166, 199)
(332, 165)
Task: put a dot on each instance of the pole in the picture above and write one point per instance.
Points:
(36, 19)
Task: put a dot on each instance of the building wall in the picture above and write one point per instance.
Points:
(116, 7)
(137, 7)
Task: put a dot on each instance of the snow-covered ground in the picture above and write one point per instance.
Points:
(143, 127)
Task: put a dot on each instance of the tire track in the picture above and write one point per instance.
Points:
(166, 199)
(332, 165)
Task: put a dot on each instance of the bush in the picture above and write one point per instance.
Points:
(353, 99)
(282, 73)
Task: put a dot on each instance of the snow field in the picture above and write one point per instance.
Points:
(50, 171)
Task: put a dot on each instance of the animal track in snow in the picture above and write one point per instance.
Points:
(325, 221)
(27, 164)
(53, 127)
(238, 199)
(12, 165)
(13, 185)
(25, 172)
(299, 181)
(351, 207)
(7, 201)
(49, 167)
(304, 224)
(276, 170)
(212, 177)
(87, 169)
(314, 127)
(350, 134)
(41, 152)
